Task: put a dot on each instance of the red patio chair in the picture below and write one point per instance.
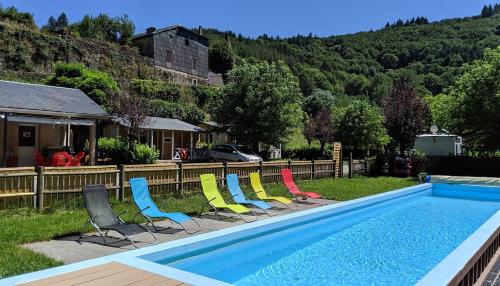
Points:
(60, 159)
(75, 161)
(39, 160)
(286, 174)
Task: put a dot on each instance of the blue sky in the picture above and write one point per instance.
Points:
(255, 17)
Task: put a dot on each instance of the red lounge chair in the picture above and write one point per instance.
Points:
(75, 161)
(286, 174)
(60, 159)
(39, 161)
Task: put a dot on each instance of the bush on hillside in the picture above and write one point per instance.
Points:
(98, 85)
(156, 89)
(12, 14)
(161, 108)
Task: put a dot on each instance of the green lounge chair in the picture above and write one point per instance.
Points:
(216, 201)
(261, 193)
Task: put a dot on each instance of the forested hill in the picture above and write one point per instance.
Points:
(364, 64)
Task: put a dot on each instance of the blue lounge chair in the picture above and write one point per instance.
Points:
(239, 197)
(150, 210)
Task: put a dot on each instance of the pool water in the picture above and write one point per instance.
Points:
(390, 243)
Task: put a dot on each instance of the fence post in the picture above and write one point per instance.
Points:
(313, 174)
(366, 167)
(290, 164)
(226, 171)
(121, 183)
(334, 169)
(350, 165)
(261, 168)
(40, 185)
(181, 176)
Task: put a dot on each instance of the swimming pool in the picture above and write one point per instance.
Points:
(395, 242)
(418, 235)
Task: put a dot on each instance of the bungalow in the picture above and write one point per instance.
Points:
(170, 136)
(214, 133)
(45, 119)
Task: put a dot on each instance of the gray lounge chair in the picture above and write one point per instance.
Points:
(102, 217)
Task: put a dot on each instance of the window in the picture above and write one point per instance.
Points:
(194, 82)
(170, 55)
(195, 62)
(186, 42)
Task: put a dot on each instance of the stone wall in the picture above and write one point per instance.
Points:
(177, 50)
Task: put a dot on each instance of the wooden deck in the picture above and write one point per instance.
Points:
(113, 273)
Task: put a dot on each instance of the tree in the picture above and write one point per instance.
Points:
(487, 11)
(259, 103)
(318, 100)
(320, 127)
(389, 61)
(405, 114)
(357, 85)
(360, 127)
(476, 112)
(433, 83)
(220, 57)
(310, 130)
(441, 107)
(106, 28)
(131, 110)
(58, 26)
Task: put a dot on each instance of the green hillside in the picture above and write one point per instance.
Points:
(364, 64)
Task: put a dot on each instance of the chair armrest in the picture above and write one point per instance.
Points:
(139, 212)
(119, 216)
(231, 197)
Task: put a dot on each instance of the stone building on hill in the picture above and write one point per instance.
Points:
(177, 50)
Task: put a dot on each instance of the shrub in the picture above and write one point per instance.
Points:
(98, 85)
(161, 108)
(12, 14)
(145, 154)
(18, 58)
(203, 94)
(124, 152)
(156, 89)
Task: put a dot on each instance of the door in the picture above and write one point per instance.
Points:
(167, 148)
(27, 145)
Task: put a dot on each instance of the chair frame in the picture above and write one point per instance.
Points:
(217, 211)
(103, 232)
(149, 220)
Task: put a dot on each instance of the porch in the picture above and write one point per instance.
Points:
(27, 137)
(175, 139)
(37, 121)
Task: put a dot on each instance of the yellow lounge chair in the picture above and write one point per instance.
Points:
(261, 193)
(215, 199)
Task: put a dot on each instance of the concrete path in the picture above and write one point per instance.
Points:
(70, 249)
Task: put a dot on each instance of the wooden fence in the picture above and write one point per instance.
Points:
(48, 186)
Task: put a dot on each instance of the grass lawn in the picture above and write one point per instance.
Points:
(19, 226)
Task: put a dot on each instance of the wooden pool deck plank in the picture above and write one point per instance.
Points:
(112, 273)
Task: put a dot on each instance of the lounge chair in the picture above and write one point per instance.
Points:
(150, 210)
(286, 174)
(239, 197)
(102, 217)
(261, 192)
(216, 201)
